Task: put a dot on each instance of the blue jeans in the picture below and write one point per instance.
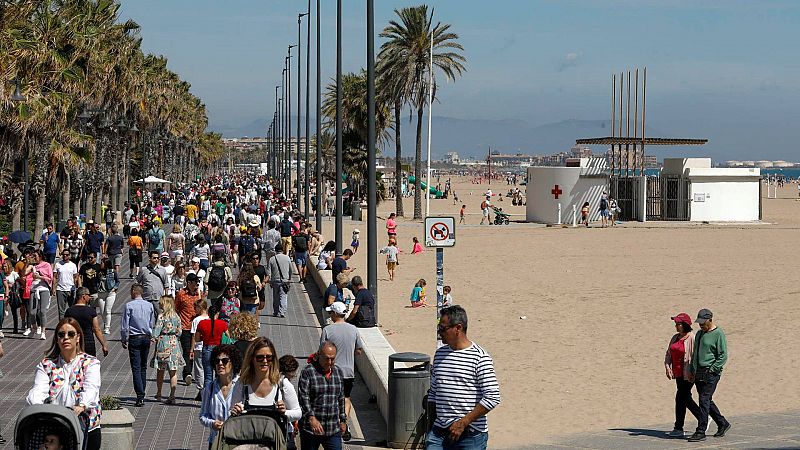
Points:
(251, 308)
(138, 351)
(438, 439)
(207, 369)
(310, 441)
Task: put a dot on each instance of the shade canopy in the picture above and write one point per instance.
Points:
(151, 179)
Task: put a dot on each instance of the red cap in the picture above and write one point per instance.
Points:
(682, 318)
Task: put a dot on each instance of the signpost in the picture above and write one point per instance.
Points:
(440, 232)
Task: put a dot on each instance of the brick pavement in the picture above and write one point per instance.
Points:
(157, 426)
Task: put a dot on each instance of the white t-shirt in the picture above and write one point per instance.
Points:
(66, 275)
(391, 253)
(198, 345)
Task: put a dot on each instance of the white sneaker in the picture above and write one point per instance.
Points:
(2, 335)
(677, 433)
(26, 332)
(38, 330)
(106, 331)
(43, 337)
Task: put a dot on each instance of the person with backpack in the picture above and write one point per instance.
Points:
(280, 274)
(217, 277)
(156, 238)
(300, 244)
(247, 245)
(249, 285)
(604, 210)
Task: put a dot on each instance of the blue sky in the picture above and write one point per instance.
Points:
(727, 70)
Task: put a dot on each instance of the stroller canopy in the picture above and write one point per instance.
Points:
(37, 421)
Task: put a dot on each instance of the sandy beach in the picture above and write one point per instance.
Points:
(589, 354)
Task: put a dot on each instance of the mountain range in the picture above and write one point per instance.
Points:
(474, 137)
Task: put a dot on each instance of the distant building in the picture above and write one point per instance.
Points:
(452, 158)
(581, 151)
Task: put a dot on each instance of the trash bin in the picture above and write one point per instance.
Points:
(408, 387)
(355, 208)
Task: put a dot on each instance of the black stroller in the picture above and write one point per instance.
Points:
(36, 422)
(261, 427)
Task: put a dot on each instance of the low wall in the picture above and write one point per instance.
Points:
(373, 362)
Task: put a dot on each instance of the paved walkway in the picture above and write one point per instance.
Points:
(769, 431)
(159, 426)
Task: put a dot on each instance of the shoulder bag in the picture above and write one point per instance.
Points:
(284, 284)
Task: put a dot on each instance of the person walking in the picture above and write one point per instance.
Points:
(155, 239)
(136, 330)
(86, 316)
(41, 289)
(321, 394)
(168, 354)
(280, 274)
(113, 247)
(153, 279)
(709, 357)
(66, 274)
(249, 285)
(676, 363)
(463, 387)
(209, 332)
(218, 399)
(345, 337)
(185, 308)
(300, 245)
(107, 294)
(135, 247)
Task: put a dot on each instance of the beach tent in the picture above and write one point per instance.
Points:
(151, 179)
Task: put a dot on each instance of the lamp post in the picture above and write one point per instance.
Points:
(299, 71)
(307, 187)
(17, 97)
(319, 127)
(372, 188)
(276, 143)
(338, 175)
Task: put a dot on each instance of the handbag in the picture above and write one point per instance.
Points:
(284, 284)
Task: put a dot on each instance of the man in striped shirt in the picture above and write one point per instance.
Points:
(463, 387)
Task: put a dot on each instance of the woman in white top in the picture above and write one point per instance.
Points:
(261, 378)
(175, 242)
(69, 377)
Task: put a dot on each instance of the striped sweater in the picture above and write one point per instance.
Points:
(460, 379)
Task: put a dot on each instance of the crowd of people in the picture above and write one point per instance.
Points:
(204, 260)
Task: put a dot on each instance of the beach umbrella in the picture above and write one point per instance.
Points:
(19, 236)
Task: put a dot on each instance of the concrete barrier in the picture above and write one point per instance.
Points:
(373, 363)
(116, 427)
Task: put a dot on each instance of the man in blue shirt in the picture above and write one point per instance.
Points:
(94, 239)
(50, 243)
(136, 330)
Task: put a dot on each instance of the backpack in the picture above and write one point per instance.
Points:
(300, 243)
(603, 204)
(248, 288)
(483, 204)
(155, 238)
(216, 279)
(247, 244)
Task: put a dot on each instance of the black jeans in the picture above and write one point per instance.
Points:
(683, 400)
(186, 347)
(705, 390)
(95, 440)
(138, 351)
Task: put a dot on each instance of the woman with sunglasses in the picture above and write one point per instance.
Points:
(217, 398)
(69, 377)
(262, 383)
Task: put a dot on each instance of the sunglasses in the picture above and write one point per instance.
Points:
(263, 358)
(66, 334)
(224, 361)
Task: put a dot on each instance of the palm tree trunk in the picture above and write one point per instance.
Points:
(16, 215)
(398, 165)
(65, 194)
(98, 208)
(114, 190)
(89, 203)
(418, 167)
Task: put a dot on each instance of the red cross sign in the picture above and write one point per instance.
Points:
(556, 191)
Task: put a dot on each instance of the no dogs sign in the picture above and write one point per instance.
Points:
(440, 231)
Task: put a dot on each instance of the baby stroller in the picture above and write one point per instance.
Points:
(36, 422)
(500, 218)
(261, 427)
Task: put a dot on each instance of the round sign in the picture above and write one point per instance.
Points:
(439, 231)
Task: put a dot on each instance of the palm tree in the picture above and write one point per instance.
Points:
(404, 63)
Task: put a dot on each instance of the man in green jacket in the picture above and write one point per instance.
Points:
(710, 355)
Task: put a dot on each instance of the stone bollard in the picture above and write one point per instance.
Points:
(116, 427)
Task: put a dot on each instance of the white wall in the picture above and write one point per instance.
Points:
(576, 189)
(727, 199)
(677, 166)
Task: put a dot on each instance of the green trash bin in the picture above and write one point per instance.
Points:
(409, 380)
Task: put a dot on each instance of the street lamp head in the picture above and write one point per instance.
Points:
(301, 15)
(134, 128)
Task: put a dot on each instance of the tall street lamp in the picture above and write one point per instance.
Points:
(307, 186)
(338, 175)
(372, 188)
(319, 126)
(299, 19)
(17, 97)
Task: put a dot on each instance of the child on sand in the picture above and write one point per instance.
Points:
(417, 246)
(354, 243)
(391, 258)
(418, 294)
(461, 213)
(448, 299)
(585, 214)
